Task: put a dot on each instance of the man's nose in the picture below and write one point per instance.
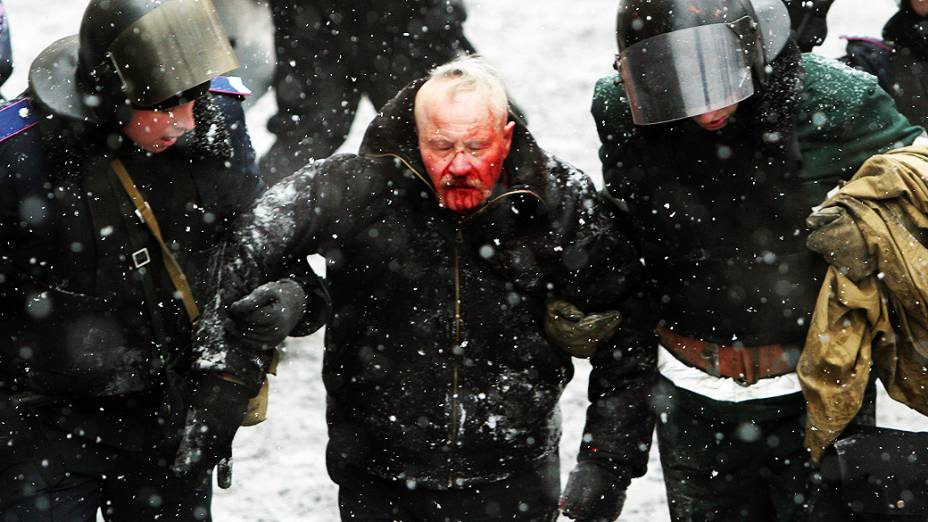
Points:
(183, 117)
(459, 164)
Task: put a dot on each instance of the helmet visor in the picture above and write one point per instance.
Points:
(175, 47)
(686, 73)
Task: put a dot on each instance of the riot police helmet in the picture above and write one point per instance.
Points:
(682, 58)
(143, 54)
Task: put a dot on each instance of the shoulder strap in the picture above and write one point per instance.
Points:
(173, 267)
(16, 117)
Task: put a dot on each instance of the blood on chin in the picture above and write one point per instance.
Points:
(462, 199)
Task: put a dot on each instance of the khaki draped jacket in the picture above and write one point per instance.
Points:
(872, 310)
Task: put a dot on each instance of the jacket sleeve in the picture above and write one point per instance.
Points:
(620, 420)
(28, 225)
(597, 258)
(623, 166)
(241, 192)
(302, 215)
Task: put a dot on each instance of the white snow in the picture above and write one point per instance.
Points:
(550, 52)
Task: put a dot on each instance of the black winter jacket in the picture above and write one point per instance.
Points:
(436, 365)
(81, 324)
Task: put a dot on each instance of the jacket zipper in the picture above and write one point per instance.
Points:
(455, 368)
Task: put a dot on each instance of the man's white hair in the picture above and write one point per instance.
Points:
(472, 73)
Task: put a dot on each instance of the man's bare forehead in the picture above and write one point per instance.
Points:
(440, 101)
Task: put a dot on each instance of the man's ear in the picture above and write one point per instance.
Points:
(507, 134)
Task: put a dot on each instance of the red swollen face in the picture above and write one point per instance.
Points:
(463, 146)
(156, 131)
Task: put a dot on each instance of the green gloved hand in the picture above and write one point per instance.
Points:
(837, 237)
(577, 333)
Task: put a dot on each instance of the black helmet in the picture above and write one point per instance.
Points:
(141, 52)
(682, 58)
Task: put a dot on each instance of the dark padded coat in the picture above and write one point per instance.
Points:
(82, 326)
(436, 365)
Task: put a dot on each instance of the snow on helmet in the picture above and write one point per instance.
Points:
(682, 58)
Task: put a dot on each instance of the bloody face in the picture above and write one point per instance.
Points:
(715, 120)
(463, 145)
(157, 130)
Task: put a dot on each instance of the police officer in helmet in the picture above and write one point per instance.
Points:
(120, 169)
(718, 137)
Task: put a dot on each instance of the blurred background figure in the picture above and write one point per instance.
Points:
(331, 53)
(809, 26)
(900, 60)
(6, 50)
(251, 33)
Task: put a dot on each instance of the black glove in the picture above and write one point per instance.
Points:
(262, 319)
(216, 411)
(593, 494)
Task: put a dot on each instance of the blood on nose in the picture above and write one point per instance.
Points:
(459, 164)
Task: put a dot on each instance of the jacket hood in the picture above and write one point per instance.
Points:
(393, 132)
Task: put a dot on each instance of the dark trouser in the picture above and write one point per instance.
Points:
(731, 461)
(734, 461)
(330, 53)
(47, 475)
(529, 496)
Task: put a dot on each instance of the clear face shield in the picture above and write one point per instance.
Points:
(693, 71)
(177, 46)
(685, 73)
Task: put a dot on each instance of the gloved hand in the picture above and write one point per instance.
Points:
(262, 319)
(216, 411)
(577, 333)
(836, 236)
(593, 494)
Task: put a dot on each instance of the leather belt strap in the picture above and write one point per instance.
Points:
(744, 364)
(148, 217)
(257, 406)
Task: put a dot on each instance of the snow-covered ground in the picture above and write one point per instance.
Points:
(550, 52)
